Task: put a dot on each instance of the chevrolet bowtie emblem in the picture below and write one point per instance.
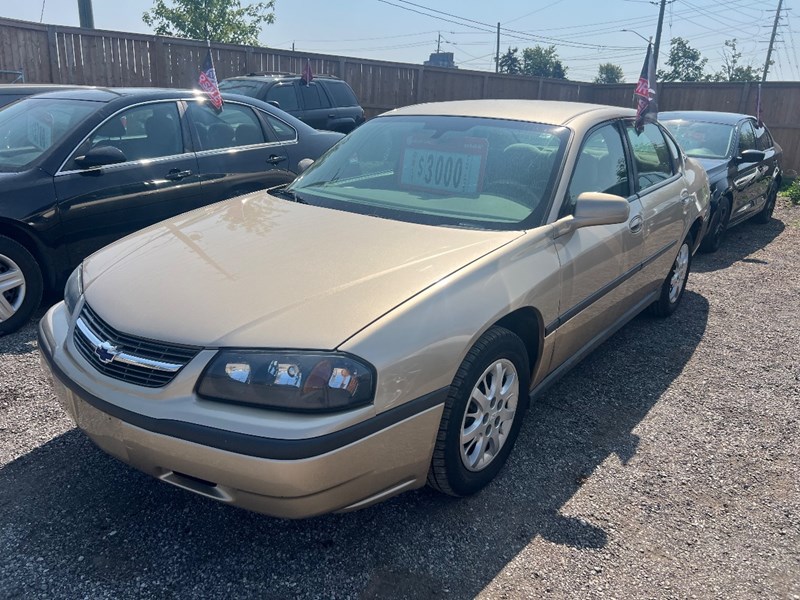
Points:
(106, 352)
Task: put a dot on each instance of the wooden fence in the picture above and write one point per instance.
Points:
(71, 55)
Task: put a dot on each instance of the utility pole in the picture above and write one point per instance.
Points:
(85, 14)
(497, 52)
(439, 43)
(658, 31)
(772, 41)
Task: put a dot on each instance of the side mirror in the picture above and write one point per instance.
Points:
(274, 103)
(750, 156)
(304, 164)
(101, 157)
(594, 208)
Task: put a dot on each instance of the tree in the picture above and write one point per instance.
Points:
(543, 62)
(609, 73)
(217, 20)
(686, 63)
(509, 63)
(731, 69)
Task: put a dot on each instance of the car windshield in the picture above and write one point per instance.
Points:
(30, 127)
(701, 139)
(441, 170)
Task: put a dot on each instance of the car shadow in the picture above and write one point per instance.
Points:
(76, 522)
(740, 244)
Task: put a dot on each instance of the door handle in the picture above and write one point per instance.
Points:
(686, 197)
(274, 159)
(177, 175)
(331, 116)
(635, 224)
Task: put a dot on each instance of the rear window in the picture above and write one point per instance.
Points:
(242, 86)
(341, 93)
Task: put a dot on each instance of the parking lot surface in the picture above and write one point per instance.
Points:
(664, 466)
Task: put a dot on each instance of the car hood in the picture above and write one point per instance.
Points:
(258, 271)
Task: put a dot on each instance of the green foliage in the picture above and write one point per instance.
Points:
(793, 192)
(685, 63)
(609, 73)
(509, 63)
(543, 62)
(731, 69)
(218, 20)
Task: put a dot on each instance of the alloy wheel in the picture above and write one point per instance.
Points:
(12, 288)
(679, 272)
(489, 415)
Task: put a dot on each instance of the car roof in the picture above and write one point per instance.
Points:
(708, 116)
(550, 112)
(101, 94)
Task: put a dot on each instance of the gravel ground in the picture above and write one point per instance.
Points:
(664, 466)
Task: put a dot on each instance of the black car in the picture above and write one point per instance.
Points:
(743, 164)
(325, 103)
(82, 168)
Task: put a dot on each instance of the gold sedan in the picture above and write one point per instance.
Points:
(384, 320)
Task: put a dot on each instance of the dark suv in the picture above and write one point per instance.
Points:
(325, 103)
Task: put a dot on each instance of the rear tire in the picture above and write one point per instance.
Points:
(719, 224)
(482, 415)
(675, 283)
(20, 285)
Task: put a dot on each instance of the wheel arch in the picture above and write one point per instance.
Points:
(527, 324)
(28, 239)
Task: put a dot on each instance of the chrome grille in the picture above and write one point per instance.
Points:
(128, 358)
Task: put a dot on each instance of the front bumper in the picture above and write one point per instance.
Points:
(347, 469)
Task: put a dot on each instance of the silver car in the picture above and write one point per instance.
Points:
(384, 320)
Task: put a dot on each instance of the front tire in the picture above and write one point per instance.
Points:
(483, 414)
(713, 239)
(765, 214)
(675, 283)
(20, 285)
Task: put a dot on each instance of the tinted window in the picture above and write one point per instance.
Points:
(601, 166)
(284, 95)
(458, 171)
(650, 155)
(747, 138)
(283, 132)
(236, 125)
(242, 86)
(763, 138)
(313, 96)
(31, 127)
(140, 132)
(341, 93)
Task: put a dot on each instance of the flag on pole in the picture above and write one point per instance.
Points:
(208, 81)
(645, 93)
(307, 74)
(759, 109)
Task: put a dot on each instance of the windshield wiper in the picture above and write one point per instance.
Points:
(284, 193)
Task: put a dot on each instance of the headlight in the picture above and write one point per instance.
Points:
(74, 289)
(295, 381)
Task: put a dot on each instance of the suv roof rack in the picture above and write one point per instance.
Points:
(281, 74)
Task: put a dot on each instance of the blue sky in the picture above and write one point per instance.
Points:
(585, 32)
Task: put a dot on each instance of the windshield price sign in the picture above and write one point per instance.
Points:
(449, 167)
(40, 130)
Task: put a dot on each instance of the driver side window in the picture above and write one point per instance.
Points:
(601, 167)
